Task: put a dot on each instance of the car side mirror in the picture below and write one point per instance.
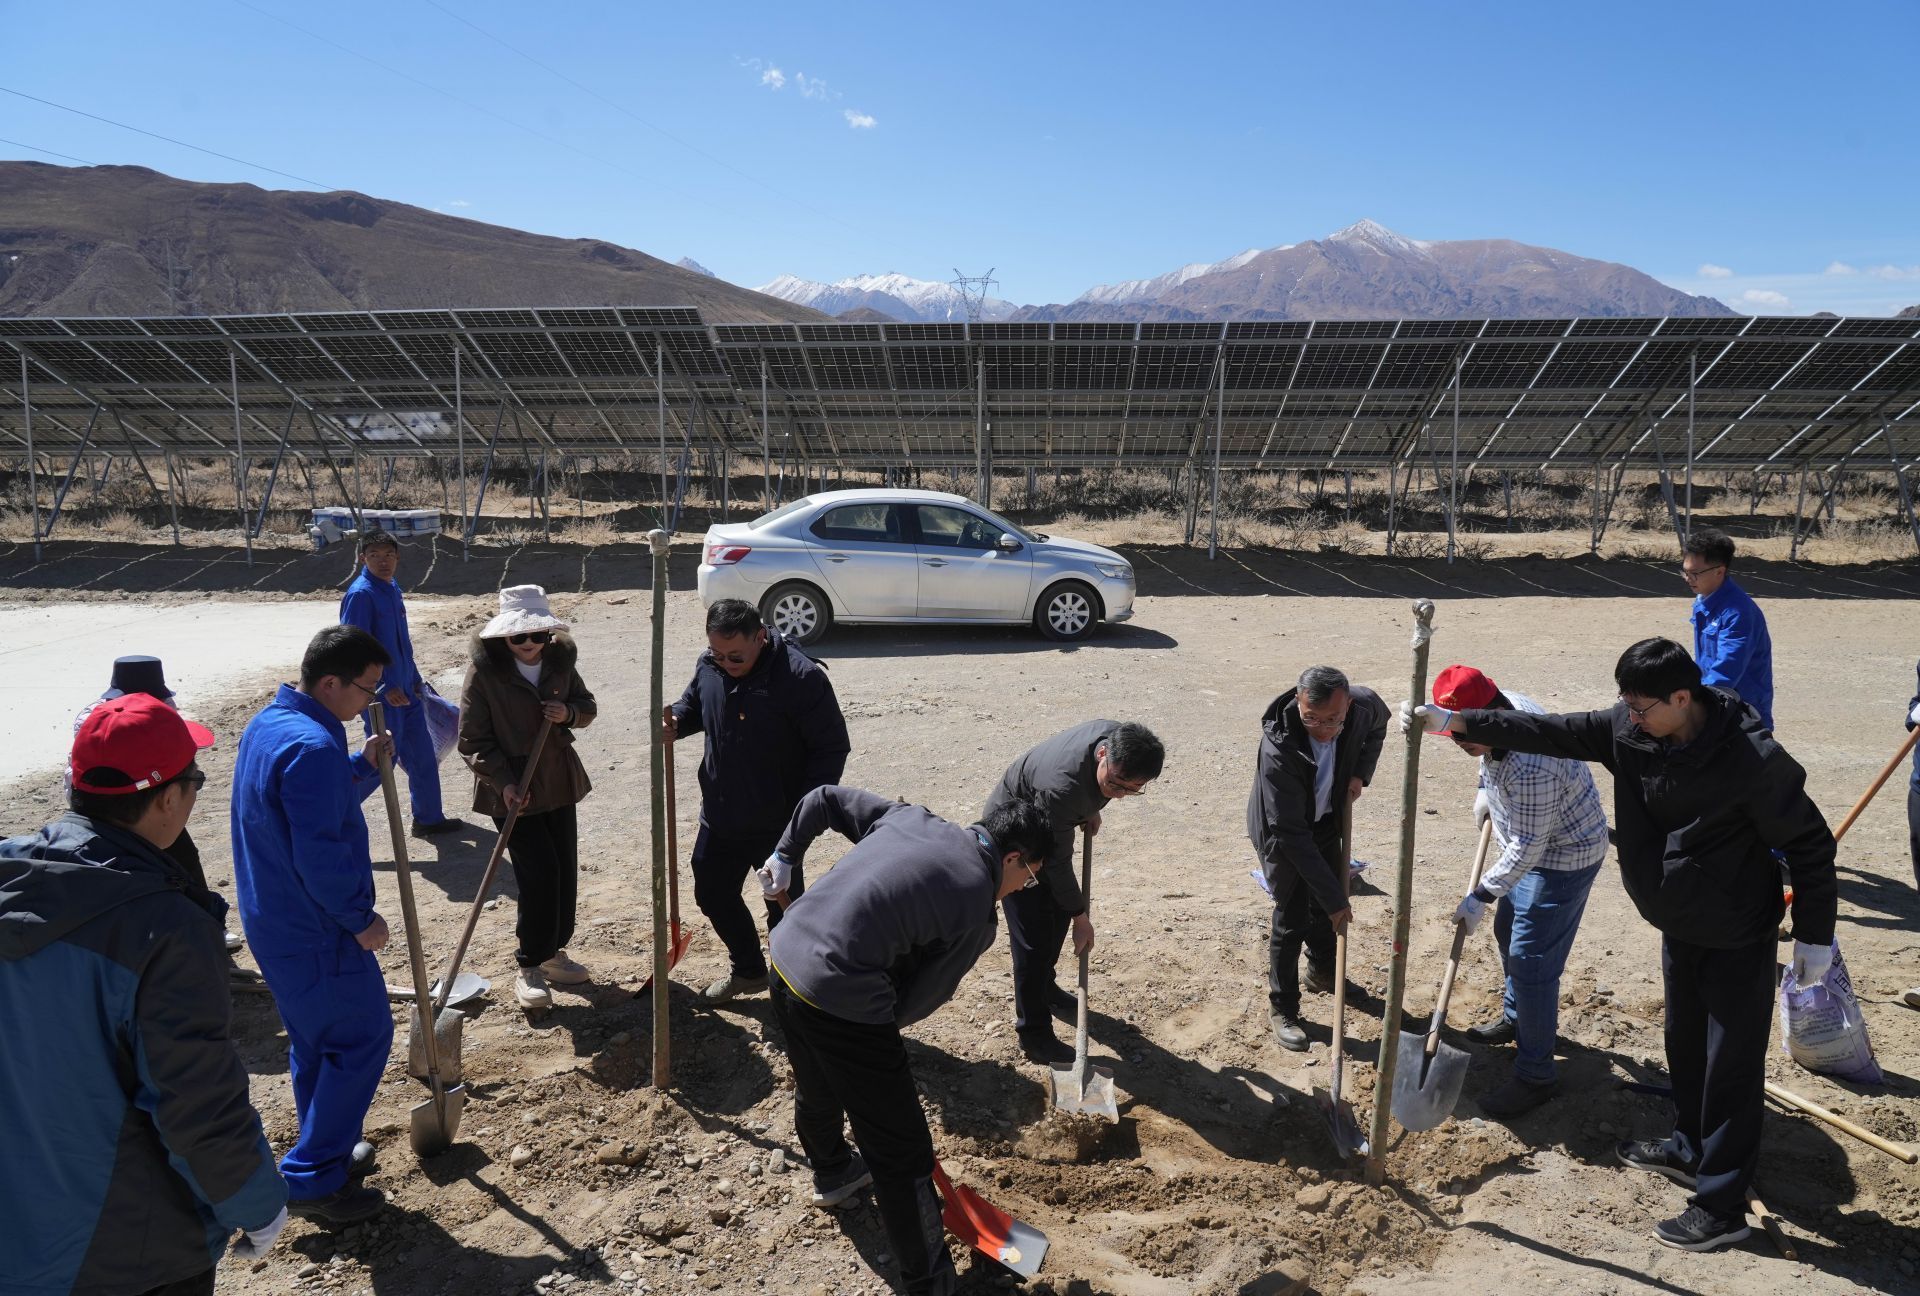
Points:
(1008, 542)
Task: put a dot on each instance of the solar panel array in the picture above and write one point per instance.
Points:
(1765, 391)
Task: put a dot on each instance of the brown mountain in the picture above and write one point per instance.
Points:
(118, 240)
(1368, 272)
(1910, 312)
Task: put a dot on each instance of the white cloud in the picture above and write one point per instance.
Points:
(773, 78)
(814, 87)
(859, 120)
(1839, 268)
(1764, 297)
(1895, 272)
(459, 202)
(1711, 271)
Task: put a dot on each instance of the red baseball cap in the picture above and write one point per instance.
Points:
(1459, 688)
(139, 737)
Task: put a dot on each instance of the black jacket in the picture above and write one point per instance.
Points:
(1696, 824)
(1061, 776)
(132, 1152)
(887, 934)
(1280, 818)
(772, 736)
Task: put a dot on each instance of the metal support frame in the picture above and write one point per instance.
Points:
(766, 445)
(66, 484)
(1693, 381)
(471, 524)
(273, 477)
(239, 453)
(546, 501)
(1900, 481)
(173, 502)
(460, 430)
(1453, 472)
(1604, 498)
(1219, 434)
(1799, 505)
(983, 486)
(660, 404)
(33, 464)
(1393, 496)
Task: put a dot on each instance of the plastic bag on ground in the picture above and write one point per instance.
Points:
(1821, 1026)
(443, 720)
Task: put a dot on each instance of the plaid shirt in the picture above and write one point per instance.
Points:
(1546, 812)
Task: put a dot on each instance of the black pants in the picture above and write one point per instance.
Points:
(545, 851)
(1719, 1014)
(720, 868)
(1913, 828)
(1298, 920)
(849, 1073)
(201, 1284)
(1037, 931)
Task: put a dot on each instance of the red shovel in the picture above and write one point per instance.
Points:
(988, 1229)
(678, 937)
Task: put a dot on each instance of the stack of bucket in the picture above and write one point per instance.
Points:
(332, 525)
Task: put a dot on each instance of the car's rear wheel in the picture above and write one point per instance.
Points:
(798, 611)
(1067, 612)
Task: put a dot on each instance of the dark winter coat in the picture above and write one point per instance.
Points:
(773, 736)
(1696, 825)
(1280, 818)
(500, 718)
(1061, 776)
(886, 935)
(132, 1152)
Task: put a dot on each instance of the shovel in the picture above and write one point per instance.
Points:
(1084, 1090)
(437, 1120)
(988, 1229)
(1347, 1138)
(679, 937)
(466, 987)
(1885, 773)
(1427, 1082)
(447, 990)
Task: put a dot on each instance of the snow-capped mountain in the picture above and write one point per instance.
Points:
(1147, 289)
(688, 263)
(898, 296)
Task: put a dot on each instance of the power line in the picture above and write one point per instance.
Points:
(35, 148)
(167, 138)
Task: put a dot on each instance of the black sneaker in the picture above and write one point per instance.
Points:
(830, 1192)
(1046, 1049)
(1517, 1097)
(1320, 981)
(1654, 1157)
(1288, 1033)
(1699, 1229)
(1498, 1031)
(350, 1205)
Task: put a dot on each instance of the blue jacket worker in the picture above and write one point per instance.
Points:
(305, 880)
(373, 602)
(1730, 639)
(1702, 799)
(1071, 777)
(879, 943)
(774, 733)
(132, 1152)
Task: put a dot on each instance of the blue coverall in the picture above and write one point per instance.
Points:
(304, 876)
(376, 606)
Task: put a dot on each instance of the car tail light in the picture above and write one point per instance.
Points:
(722, 555)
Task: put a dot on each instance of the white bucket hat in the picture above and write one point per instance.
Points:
(522, 608)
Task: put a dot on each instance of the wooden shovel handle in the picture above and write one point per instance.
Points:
(1788, 1098)
(403, 876)
(1445, 996)
(1886, 773)
(1340, 951)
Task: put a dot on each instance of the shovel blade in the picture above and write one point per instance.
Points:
(988, 1229)
(677, 942)
(448, 1029)
(1425, 1089)
(1083, 1094)
(435, 1122)
(1348, 1141)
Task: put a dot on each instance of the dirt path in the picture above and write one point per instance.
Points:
(1219, 1177)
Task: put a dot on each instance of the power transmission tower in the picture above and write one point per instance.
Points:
(973, 292)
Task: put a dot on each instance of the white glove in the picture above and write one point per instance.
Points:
(774, 875)
(1913, 716)
(1429, 719)
(1469, 914)
(254, 1242)
(1810, 963)
(1481, 810)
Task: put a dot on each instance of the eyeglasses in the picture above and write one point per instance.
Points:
(1692, 576)
(193, 779)
(1129, 789)
(375, 691)
(532, 636)
(1640, 713)
(1033, 878)
(733, 659)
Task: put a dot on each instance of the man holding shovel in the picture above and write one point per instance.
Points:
(1552, 834)
(1319, 744)
(1071, 777)
(304, 874)
(877, 944)
(1702, 797)
(774, 733)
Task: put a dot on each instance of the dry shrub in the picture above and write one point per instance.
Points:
(120, 525)
(1420, 544)
(1862, 542)
(592, 532)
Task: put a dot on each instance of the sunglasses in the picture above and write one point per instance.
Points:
(532, 636)
(193, 779)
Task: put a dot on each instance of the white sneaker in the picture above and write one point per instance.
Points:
(234, 942)
(562, 970)
(530, 988)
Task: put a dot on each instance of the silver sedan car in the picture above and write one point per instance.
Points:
(888, 556)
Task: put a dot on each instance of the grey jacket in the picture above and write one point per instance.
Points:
(1060, 776)
(887, 934)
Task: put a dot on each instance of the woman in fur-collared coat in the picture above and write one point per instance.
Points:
(523, 671)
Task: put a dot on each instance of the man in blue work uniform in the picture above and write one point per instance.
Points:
(305, 881)
(1730, 639)
(373, 603)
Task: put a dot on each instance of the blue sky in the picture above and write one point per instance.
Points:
(1764, 153)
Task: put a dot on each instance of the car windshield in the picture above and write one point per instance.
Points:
(1030, 537)
(777, 514)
